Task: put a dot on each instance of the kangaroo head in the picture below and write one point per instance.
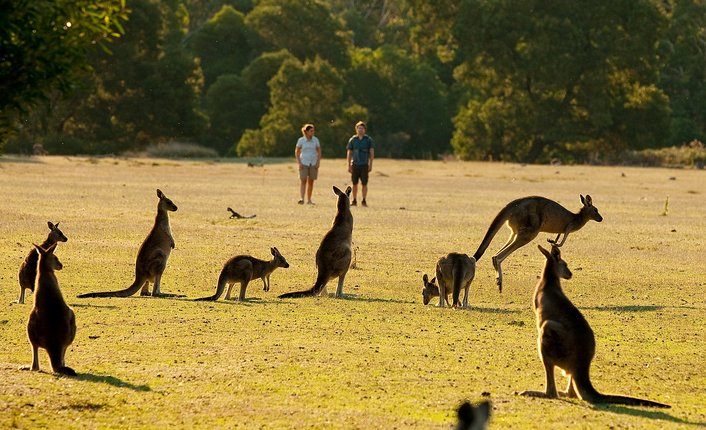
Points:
(590, 211)
(430, 289)
(279, 258)
(165, 202)
(560, 267)
(473, 417)
(55, 234)
(46, 256)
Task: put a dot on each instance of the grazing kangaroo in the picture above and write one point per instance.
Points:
(473, 417)
(28, 268)
(452, 272)
(431, 289)
(333, 257)
(243, 269)
(152, 256)
(529, 216)
(52, 323)
(566, 340)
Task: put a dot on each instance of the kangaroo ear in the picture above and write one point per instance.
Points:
(160, 194)
(39, 249)
(556, 252)
(583, 201)
(348, 191)
(50, 225)
(336, 191)
(51, 249)
(589, 200)
(544, 251)
(433, 280)
(273, 251)
(425, 278)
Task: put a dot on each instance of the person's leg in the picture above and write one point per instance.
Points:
(364, 183)
(302, 187)
(309, 189)
(355, 176)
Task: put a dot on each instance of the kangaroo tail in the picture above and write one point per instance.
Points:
(458, 275)
(588, 393)
(319, 285)
(498, 222)
(129, 291)
(222, 281)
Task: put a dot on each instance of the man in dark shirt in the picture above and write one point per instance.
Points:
(360, 153)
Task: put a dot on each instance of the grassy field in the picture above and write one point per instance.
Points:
(378, 358)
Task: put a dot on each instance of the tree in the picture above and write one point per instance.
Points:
(223, 45)
(305, 28)
(44, 46)
(308, 92)
(406, 100)
(547, 79)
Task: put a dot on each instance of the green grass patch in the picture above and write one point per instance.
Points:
(378, 358)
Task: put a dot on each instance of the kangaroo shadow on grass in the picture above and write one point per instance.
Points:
(88, 305)
(357, 298)
(248, 302)
(111, 380)
(643, 413)
(634, 308)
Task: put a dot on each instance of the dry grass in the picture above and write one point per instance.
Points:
(378, 359)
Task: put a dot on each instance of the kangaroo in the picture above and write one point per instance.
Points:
(333, 257)
(152, 256)
(52, 323)
(452, 272)
(473, 417)
(243, 269)
(28, 268)
(431, 289)
(566, 340)
(529, 216)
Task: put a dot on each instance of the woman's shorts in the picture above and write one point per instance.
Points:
(311, 172)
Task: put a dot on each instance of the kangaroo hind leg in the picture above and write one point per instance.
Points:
(517, 241)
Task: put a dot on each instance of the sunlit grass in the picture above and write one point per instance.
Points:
(377, 359)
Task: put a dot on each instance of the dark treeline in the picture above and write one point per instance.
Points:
(484, 79)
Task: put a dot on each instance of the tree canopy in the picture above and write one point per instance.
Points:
(484, 79)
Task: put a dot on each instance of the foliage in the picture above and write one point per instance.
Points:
(556, 72)
(498, 80)
(44, 45)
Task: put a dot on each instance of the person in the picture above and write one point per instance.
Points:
(308, 155)
(360, 153)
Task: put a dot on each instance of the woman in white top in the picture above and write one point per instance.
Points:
(308, 155)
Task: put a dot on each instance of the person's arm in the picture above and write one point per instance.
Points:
(318, 155)
(297, 155)
(370, 159)
(349, 154)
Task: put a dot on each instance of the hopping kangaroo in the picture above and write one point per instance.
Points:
(529, 216)
(152, 256)
(473, 417)
(333, 257)
(28, 268)
(453, 272)
(243, 269)
(566, 340)
(52, 323)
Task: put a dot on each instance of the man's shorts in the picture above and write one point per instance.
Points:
(359, 172)
(311, 172)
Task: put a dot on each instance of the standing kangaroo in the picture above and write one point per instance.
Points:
(473, 417)
(566, 340)
(243, 269)
(52, 323)
(333, 257)
(152, 256)
(529, 216)
(28, 268)
(452, 272)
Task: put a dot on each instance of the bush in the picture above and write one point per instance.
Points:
(180, 150)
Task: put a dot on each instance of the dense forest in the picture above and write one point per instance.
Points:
(508, 80)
